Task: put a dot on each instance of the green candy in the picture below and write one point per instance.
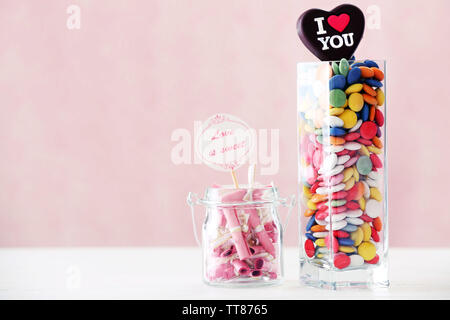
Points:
(364, 165)
(319, 139)
(337, 98)
(338, 203)
(335, 68)
(344, 67)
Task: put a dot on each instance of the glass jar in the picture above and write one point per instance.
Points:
(342, 174)
(242, 235)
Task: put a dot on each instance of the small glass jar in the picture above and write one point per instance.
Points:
(242, 236)
(342, 174)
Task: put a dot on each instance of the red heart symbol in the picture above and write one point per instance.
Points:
(339, 23)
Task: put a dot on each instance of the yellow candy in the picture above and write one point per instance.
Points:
(375, 194)
(348, 173)
(367, 250)
(356, 102)
(374, 149)
(355, 173)
(346, 249)
(336, 111)
(367, 231)
(349, 184)
(364, 151)
(320, 255)
(354, 88)
(320, 243)
(311, 205)
(362, 203)
(380, 97)
(357, 236)
(307, 192)
(349, 118)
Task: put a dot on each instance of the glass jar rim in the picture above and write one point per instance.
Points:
(230, 196)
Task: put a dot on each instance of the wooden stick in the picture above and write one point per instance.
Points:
(233, 176)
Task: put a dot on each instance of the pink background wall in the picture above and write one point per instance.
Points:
(87, 115)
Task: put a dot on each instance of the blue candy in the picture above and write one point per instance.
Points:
(374, 83)
(311, 222)
(346, 242)
(358, 115)
(371, 64)
(379, 132)
(359, 64)
(310, 236)
(365, 112)
(349, 228)
(354, 75)
(337, 82)
(337, 132)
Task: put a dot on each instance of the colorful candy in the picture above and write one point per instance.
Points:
(342, 156)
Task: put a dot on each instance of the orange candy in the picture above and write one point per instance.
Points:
(337, 140)
(309, 212)
(369, 90)
(318, 228)
(316, 198)
(372, 113)
(366, 72)
(377, 142)
(378, 74)
(377, 224)
(369, 99)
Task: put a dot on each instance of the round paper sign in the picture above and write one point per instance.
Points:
(224, 142)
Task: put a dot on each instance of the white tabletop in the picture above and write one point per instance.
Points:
(175, 273)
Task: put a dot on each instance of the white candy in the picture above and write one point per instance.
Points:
(320, 234)
(352, 146)
(356, 260)
(331, 189)
(357, 126)
(355, 221)
(333, 121)
(373, 208)
(374, 175)
(333, 149)
(338, 225)
(336, 217)
(343, 159)
(322, 250)
(336, 170)
(372, 183)
(354, 213)
(366, 190)
(321, 222)
(328, 163)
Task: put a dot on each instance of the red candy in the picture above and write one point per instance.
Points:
(352, 205)
(335, 243)
(339, 195)
(341, 261)
(322, 215)
(309, 248)
(374, 260)
(375, 235)
(376, 161)
(366, 218)
(368, 130)
(340, 234)
(352, 136)
(379, 118)
(342, 153)
(365, 142)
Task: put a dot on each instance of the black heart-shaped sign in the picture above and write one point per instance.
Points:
(332, 35)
